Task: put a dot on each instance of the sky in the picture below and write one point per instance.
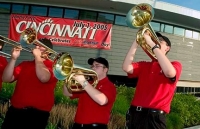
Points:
(192, 4)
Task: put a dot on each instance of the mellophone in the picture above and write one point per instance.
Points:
(140, 17)
(63, 65)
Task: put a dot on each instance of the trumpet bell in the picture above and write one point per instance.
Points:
(140, 15)
(62, 66)
(28, 35)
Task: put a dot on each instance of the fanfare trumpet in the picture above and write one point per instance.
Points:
(139, 17)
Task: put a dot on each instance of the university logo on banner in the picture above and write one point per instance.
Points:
(63, 32)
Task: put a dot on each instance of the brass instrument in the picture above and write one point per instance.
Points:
(64, 69)
(139, 17)
(63, 64)
(13, 43)
(29, 36)
(5, 54)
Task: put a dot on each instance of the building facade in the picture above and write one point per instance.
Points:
(180, 24)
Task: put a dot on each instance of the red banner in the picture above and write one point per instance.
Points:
(63, 32)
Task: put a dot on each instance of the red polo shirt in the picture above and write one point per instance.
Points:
(29, 90)
(89, 111)
(3, 63)
(154, 89)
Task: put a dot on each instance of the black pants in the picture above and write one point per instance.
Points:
(145, 119)
(89, 126)
(26, 118)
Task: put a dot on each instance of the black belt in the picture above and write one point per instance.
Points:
(146, 110)
(24, 108)
(90, 125)
(27, 109)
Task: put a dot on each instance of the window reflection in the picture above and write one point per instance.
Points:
(179, 31)
(120, 20)
(4, 8)
(155, 26)
(38, 10)
(195, 35)
(18, 8)
(55, 12)
(188, 33)
(88, 15)
(107, 18)
(71, 13)
(167, 28)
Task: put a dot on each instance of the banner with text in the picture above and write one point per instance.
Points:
(63, 32)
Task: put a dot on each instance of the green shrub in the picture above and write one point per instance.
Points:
(185, 108)
(60, 98)
(123, 99)
(7, 91)
(174, 121)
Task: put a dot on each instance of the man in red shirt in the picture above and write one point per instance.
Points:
(3, 63)
(95, 104)
(155, 87)
(33, 97)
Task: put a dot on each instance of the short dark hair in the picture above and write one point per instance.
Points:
(46, 42)
(100, 60)
(165, 38)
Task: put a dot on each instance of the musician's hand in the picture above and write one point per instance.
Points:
(135, 43)
(16, 52)
(79, 77)
(36, 52)
(148, 39)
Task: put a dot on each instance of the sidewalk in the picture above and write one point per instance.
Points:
(194, 127)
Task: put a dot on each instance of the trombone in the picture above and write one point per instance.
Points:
(3, 54)
(12, 42)
(29, 36)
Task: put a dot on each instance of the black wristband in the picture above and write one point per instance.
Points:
(156, 46)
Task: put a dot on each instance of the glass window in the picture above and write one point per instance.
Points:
(155, 26)
(195, 35)
(120, 20)
(107, 18)
(55, 12)
(17, 8)
(188, 33)
(88, 15)
(179, 31)
(71, 13)
(5, 8)
(38, 10)
(166, 28)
